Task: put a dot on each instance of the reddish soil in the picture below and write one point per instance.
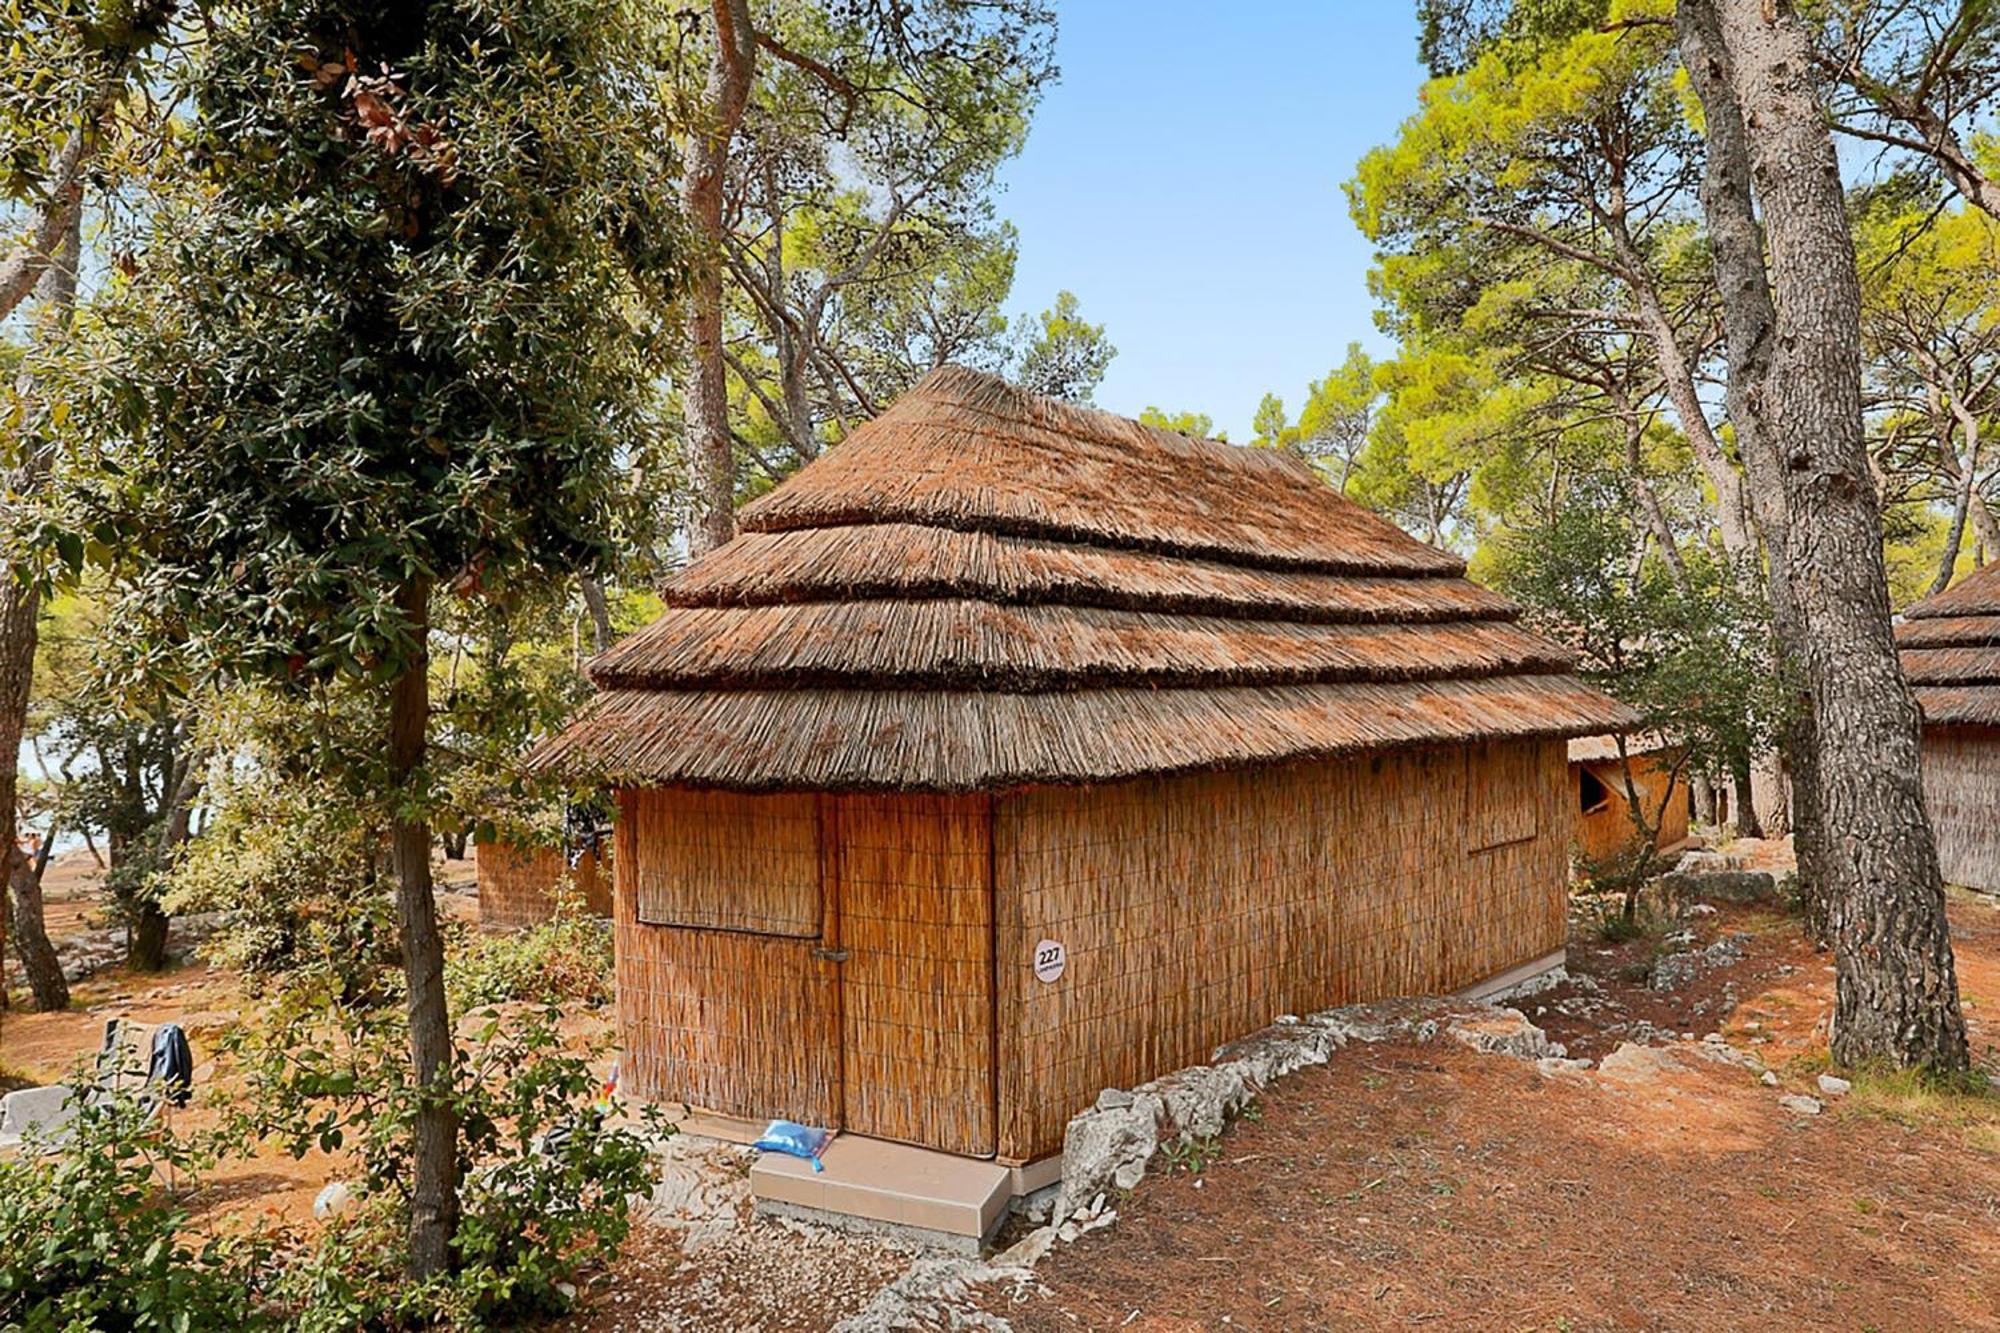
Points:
(1401, 1185)
(1405, 1186)
(207, 1002)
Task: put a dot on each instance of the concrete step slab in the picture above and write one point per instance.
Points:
(958, 1200)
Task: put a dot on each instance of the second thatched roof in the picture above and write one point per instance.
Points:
(1950, 648)
(981, 589)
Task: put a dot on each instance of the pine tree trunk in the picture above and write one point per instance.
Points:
(46, 982)
(434, 1135)
(1749, 319)
(1897, 991)
(705, 391)
(1703, 792)
(601, 635)
(20, 631)
(1747, 825)
(20, 635)
(148, 952)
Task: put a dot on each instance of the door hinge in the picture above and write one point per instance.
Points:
(830, 955)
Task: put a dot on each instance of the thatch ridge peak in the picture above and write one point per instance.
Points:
(967, 451)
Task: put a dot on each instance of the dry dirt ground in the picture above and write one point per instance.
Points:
(1431, 1187)
(206, 1001)
(1400, 1185)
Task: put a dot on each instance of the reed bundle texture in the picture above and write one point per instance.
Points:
(518, 882)
(981, 588)
(1950, 649)
(998, 672)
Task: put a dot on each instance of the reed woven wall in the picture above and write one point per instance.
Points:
(1962, 793)
(726, 1001)
(727, 1020)
(729, 862)
(916, 917)
(1607, 830)
(1195, 909)
(517, 884)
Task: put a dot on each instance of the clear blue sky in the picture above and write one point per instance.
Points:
(1183, 179)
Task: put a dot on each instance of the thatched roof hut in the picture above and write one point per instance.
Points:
(1604, 826)
(982, 589)
(519, 882)
(1950, 649)
(1001, 679)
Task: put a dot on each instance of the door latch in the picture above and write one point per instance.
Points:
(830, 955)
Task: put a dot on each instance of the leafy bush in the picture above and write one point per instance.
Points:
(549, 1182)
(295, 872)
(564, 960)
(91, 1236)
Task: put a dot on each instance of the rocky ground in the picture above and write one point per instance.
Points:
(1703, 1170)
(703, 1261)
(1686, 1160)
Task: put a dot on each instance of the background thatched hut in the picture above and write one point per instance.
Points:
(517, 882)
(1016, 750)
(1604, 811)
(1950, 646)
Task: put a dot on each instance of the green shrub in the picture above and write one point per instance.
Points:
(92, 1237)
(295, 871)
(565, 960)
(549, 1181)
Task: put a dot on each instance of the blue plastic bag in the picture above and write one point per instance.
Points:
(797, 1140)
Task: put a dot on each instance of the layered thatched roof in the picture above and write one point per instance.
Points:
(982, 588)
(1950, 647)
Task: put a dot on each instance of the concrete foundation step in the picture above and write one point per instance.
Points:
(955, 1202)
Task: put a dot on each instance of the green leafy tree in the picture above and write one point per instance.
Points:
(1273, 427)
(861, 192)
(66, 71)
(121, 762)
(1784, 261)
(1062, 355)
(1198, 424)
(1538, 215)
(290, 853)
(1930, 324)
(1333, 429)
(1687, 650)
(1920, 78)
(390, 334)
(840, 171)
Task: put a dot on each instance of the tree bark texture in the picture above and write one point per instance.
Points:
(1897, 992)
(150, 923)
(705, 394)
(1703, 793)
(434, 1135)
(20, 636)
(29, 263)
(1745, 814)
(1749, 320)
(46, 983)
(601, 635)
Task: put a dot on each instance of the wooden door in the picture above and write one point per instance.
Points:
(915, 905)
(725, 998)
